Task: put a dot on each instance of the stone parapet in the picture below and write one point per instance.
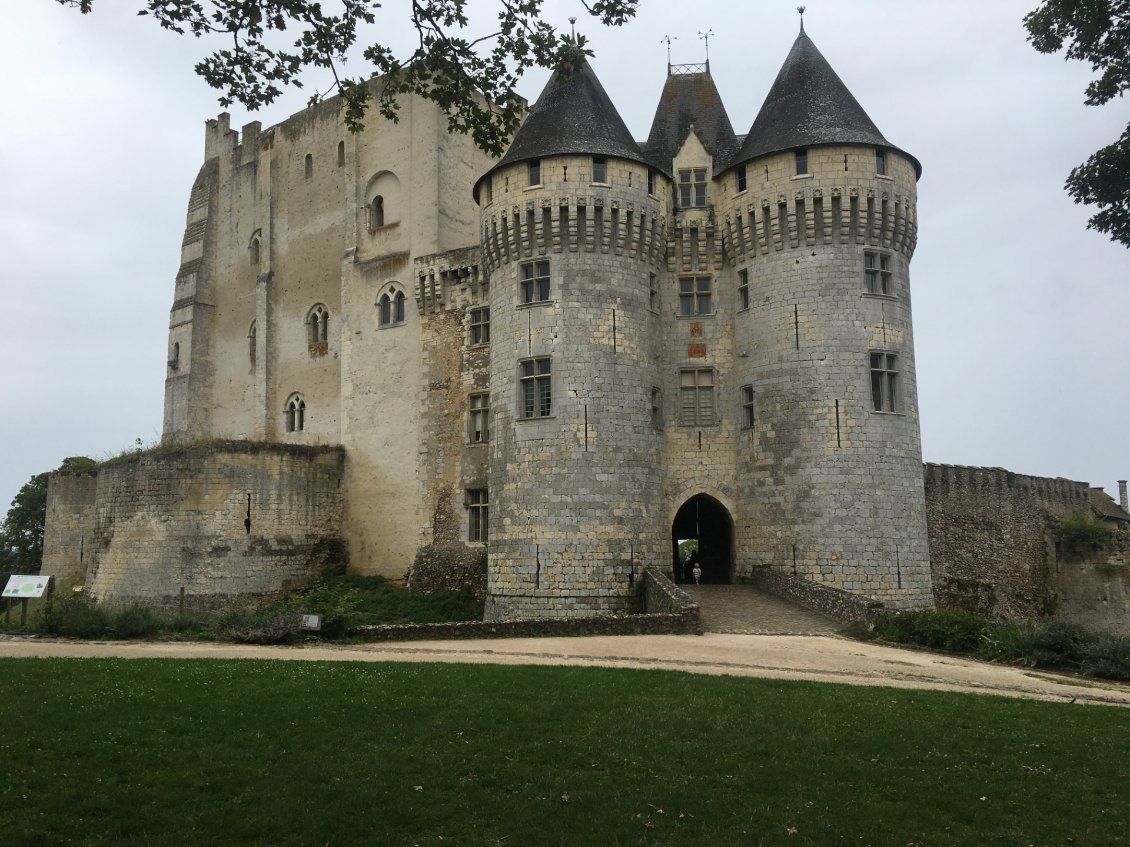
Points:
(833, 602)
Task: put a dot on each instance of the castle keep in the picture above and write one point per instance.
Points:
(569, 359)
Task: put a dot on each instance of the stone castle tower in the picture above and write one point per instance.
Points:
(389, 347)
(704, 338)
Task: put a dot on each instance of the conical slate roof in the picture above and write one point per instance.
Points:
(690, 100)
(573, 115)
(809, 105)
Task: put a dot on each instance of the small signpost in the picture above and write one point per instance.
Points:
(311, 622)
(22, 587)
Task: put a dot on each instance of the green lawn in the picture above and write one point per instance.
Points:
(163, 752)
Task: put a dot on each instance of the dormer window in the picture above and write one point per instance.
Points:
(692, 188)
(801, 161)
(535, 172)
(599, 169)
(880, 161)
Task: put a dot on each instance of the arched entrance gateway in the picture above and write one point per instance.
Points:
(705, 522)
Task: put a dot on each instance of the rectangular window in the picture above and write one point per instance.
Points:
(535, 172)
(536, 395)
(692, 188)
(478, 514)
(694, 295)
(880, 162)
(884, 381)
(535, 282)
(480, 326)
(741, 178)
(478, 419)
(696, 397)
(877, 272)
(653, 292)
(651, 181)
(743, 289)
(599, 169)
(749, 417)
(657, 408)
(801, 161)
(490, 189)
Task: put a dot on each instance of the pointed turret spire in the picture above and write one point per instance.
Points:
(572, 116)
(809, 105)
(690, 100)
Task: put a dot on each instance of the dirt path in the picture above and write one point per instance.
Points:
(822, 658)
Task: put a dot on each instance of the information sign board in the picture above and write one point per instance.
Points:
(25, 586)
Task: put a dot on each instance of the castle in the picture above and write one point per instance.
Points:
(387, 346)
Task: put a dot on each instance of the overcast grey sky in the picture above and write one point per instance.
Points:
(1020, 313)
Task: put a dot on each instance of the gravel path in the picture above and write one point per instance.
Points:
(808, 657)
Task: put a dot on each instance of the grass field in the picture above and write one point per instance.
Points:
(163, 752)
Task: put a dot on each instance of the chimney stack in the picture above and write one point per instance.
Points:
(1122, 501)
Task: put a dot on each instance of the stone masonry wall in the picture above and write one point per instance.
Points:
(223, 521)
(69, 530)
(992, 543)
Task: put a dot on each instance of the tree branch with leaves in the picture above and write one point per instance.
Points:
(472, 76)
(1095, 31)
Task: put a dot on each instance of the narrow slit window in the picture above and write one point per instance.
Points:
(478, 421)
(749, 415)
(743, 288)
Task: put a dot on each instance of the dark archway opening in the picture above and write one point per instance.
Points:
(704, 520)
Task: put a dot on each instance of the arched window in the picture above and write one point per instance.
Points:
(340, 153)
(391, 308)
(318, 325)
(382, 201)
(253, 248)
(295, 413)
(309, 165)
(251, 343)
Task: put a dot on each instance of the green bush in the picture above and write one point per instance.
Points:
(278, 624)
(76, 616)
(1107, 656)
(1082, 533)
(136, 621)
(1036, 644)
(954, 630)
(335, 601)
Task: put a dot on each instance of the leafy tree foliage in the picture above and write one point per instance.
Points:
(21, 533)
(1095, 31)
(472, 76)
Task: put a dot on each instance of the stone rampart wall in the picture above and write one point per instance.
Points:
(69, 529)
(222, 521)
(826, 599)
(992, 539)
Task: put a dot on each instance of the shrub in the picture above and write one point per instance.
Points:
(76, 616)
(1107, 656)
(1081, 533)
(336, 601)
(278, 624)
(136, 621)
(950, 629)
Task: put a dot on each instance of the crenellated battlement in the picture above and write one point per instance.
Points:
(588, 223)
(811, 217)
(450, 280)
(961, 481)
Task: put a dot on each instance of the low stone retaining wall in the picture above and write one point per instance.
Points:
(668, 610)
(833, 602)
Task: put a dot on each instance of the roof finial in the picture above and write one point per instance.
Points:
(669, 39)
(705, 36)
(573, 27)
(801, 10)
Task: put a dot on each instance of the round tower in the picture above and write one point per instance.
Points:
(572, 237)
(819, 230)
